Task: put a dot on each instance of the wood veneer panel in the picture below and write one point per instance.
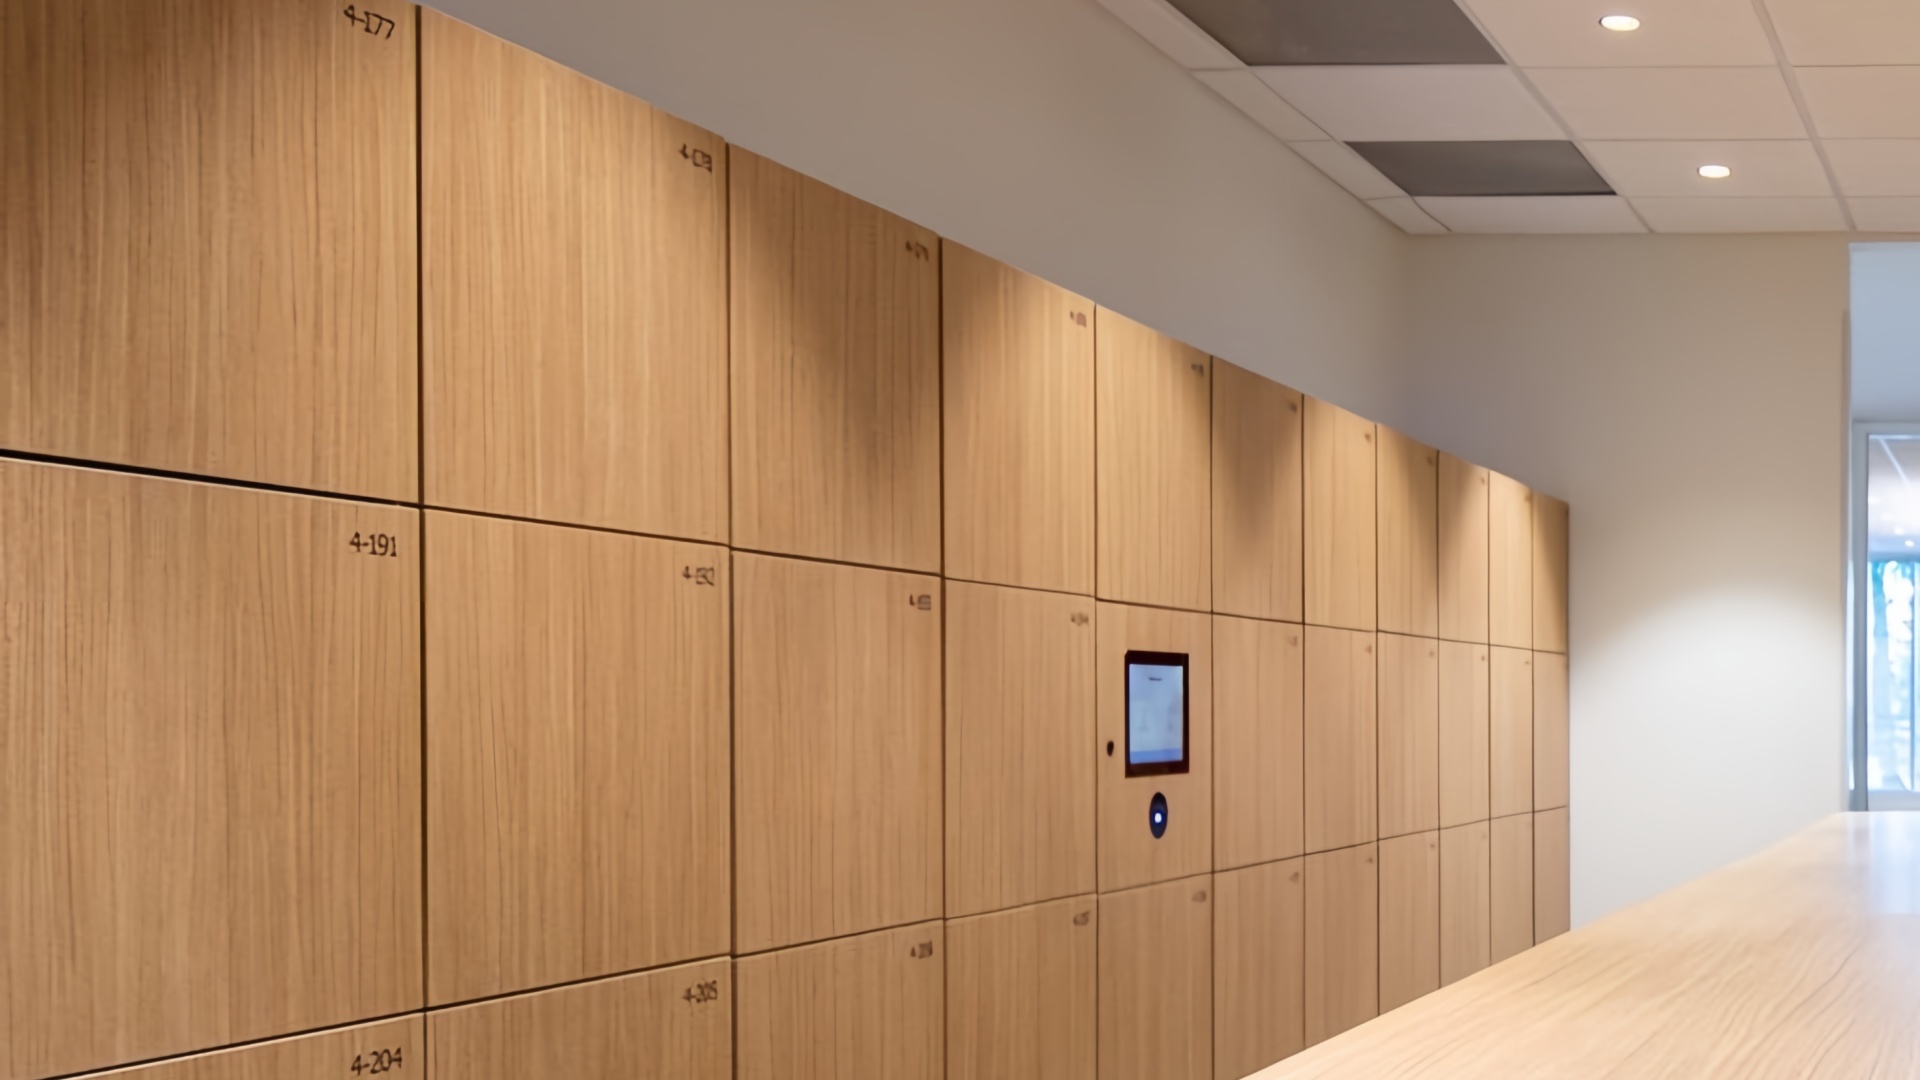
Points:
(1257, 511)
(1550, 706)
(1019, 727)
(1259, 686)
(835, 338)
(1511, 900)
(1510, 731)
(1156, 982)
(207, 213)
(1409, 721)
(181, 659)
(1017, 371)
(1464, 747)
(1409, 918)
(1343, 943)
(1509, 563)
(1341, 554)
(575, 295)
(871, 1005)
(1466, 914)
(671, 1024)
(1463, 550)
(1153, 430)
(1409, 543)
(1549, 573)
(1552, 914)
(1129, 854)
(836, 750)
(577, 754)
(1341, 738)
(1020, 993)
(1259, 967)
(395, 1046)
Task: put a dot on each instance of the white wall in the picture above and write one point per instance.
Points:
(1685, 394)
(1886, 332)
(1043, 132)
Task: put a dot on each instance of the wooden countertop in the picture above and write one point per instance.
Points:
(1803, 961)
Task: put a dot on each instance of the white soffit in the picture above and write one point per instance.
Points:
(1665, 168)
(1414, 102)
(1348, 169)
(1876, 167)
(1672, 103)
(1535, 214)
(1886, 215)
(1673, 33)
(1863, 102)
(1407, 214)
(1818, 33)
(1720, 215)
(1258, 101)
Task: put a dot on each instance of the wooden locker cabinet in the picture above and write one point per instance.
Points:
(862, 1006)
(577, 754)
(1343, 943)
(835, 330)
(1552, 915)
(575, 295)
(393, 1046)
(1510, 731)
(1466, 917)
(1550, 706)
(1463, 550)
(1017, 402)
(1020, 717)
(1156, 982)
(1021, 986)
(1129, 855)
(1509, 563)
(1257, 529)
(836, 750)
(1341, 740)
(1409, 527)
(1153, 409)
(1259, 685)
(1409, 721)
(1549, 573)
(1259, 967)
(211, 262)
(179, 658)
(1409, 918)
(1339, 463)
(1511, 900)
(1464, 737)
(670, 1024)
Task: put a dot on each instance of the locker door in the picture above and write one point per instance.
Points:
(1463, 550)
(578, 745)
(1341, 568)
(1510, 729)
(575, 295)
(1409, 735)
(1549, 574)
(858, 1007)
(1511, 902)
(183, 659)
(1409, 918)
(1153, 424)
(1464, 748)
(1466, 883)
(1020, 720)
(1017, 370)
(395, 1046)
(1020, 993)
(1258, 702)
(1259, 967)
(1343, 942)
(210, 254)
(1341, 739)
(1257, 525)
(1156, 982)
(1409, 526)
(1551, 916)
(1549, 730)
(835, 332)
(1509, 563)
(671, 1024)
(836, 750)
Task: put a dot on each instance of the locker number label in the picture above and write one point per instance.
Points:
(384, 545)
(702, 993)
(370, 21)
(921, 602)
(696, 157)
(699, 575)
(919, 251)
(375, 1062)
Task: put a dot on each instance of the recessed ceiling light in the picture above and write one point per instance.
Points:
(1715, 172)
(1622, 23)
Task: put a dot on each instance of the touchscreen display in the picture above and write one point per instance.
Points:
(1156, 713)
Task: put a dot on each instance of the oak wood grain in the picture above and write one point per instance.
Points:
(1409, 724)
(871, 1005)
(1409, 918)
(1341, 510)
(1549, 573)
(1259, 783)
(1257, 509)
(1463, 524)
(321, 1056)
(1552, 915)
(1466, 897)
(1464, 747)
(1156, 982)
(1511, 900)
(1341, 738)
(1259, 966)
(1510, 731)
(1343, 940)
(1550, 734)
(1021, 986)
(1509, 563)
(1409, 535)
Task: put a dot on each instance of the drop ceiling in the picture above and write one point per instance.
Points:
(1527, 116)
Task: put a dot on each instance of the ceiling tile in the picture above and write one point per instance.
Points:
(1172, 32)
(1414, 102)
(1886, 215)
(1671, 103)
(1673, 33)
(1665, 168)
(1407, 214)
(1863, 102)
(1342, 31)
(1742, 215)
(1535, 214)
(1348, 169)
(1506, 167)
(1258, 100)
(1843, 32)
(1876, 166)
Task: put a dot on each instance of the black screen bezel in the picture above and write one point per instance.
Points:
(1160, 659)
